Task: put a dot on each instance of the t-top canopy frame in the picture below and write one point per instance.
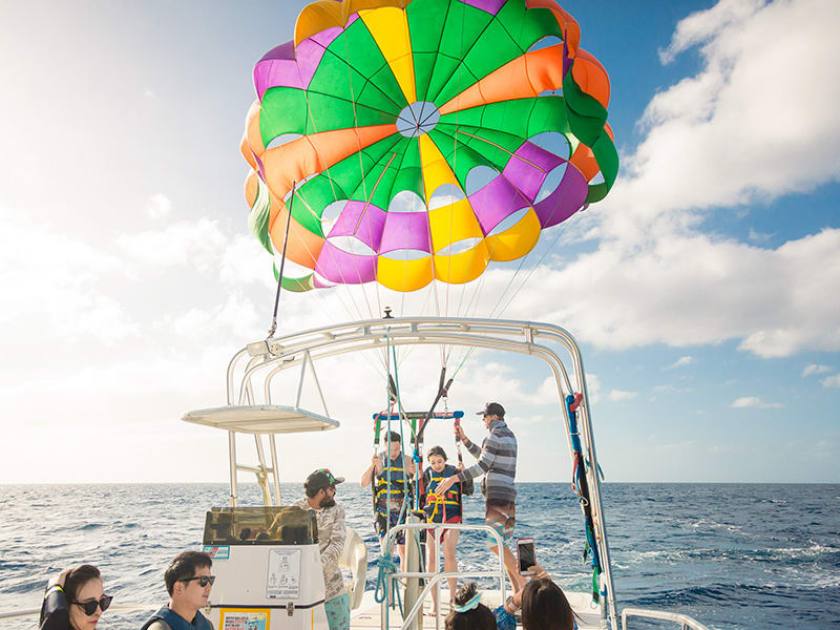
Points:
(261, 361)
(419, 415)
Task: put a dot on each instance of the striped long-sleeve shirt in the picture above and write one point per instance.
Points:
(496, 460)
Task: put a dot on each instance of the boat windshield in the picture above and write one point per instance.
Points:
(260, 525)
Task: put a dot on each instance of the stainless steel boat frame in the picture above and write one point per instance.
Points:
(257, 364)
(261, 361)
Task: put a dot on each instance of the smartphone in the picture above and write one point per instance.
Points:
(526, 554)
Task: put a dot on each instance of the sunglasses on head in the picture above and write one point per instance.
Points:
(203, 580)
(91, 605)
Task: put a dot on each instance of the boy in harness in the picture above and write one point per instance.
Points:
(442, 508)
(391, 471)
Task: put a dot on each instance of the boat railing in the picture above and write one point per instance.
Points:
(434, 578)
(33, 612)
(686, 622)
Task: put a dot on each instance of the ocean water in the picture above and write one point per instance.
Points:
(730, 555)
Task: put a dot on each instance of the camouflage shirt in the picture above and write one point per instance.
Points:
(331, 535)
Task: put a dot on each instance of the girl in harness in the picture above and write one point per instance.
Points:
(445, 508)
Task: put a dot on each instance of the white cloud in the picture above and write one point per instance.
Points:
(753, 402)
(703, 25)
(237, 317)
(681, 362)
(547, 392)
(593, 384)
(686, 161)
(690, 290)
(655, 277)
(759, 237)
(831, 381)
(159, 206)
(815, 368)
(244, 261)
(50, 286)
(620, 394)
(199, 243)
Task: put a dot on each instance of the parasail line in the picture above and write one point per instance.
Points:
(273, 327)
(373, 192)
(501, 148)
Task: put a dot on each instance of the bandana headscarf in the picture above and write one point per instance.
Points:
(470, 604)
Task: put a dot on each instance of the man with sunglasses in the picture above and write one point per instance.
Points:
(497, 462)
(320, 497)
(188, 582)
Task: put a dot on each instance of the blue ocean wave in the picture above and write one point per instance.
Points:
(731, 555)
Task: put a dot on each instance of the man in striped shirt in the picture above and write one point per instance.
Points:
(497, 462)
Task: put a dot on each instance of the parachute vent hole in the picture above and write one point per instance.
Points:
(330, 215)
(446, 195)
(553, 142)
(407, 201)
(479, 177)
(406, 254)
(282, 139)
(351, 245)
(459, 247)
(298, 186)
(546, 42)
(509, 221)
(551, 182)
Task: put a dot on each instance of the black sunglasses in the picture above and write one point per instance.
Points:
(91, 605)
(203, 580)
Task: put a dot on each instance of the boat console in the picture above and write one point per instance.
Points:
(268, 566)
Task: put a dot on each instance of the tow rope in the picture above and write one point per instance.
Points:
(580, 486)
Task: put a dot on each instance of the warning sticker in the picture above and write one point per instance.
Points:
(218, 552)
(283, 581)
(245, 619)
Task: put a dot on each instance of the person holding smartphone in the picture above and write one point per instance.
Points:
(542, 603)
(497, 463)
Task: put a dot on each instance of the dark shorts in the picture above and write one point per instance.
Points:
(501, 516)
(393, 519)
(431, 532)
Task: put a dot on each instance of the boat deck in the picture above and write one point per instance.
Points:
(368, 614)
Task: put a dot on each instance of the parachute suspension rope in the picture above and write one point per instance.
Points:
(531, 271)
(273, 327)
(386, 567)
(413, 549)
(456, 426)
(496, 311)
(413, 545)
(443, 392)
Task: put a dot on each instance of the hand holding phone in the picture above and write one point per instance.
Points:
(527, 555)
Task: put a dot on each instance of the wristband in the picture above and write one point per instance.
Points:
(510, 605)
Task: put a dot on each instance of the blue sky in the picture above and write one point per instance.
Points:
(703, 290)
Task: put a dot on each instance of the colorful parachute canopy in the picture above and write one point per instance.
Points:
(425, 138)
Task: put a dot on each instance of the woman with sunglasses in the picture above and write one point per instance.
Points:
(74, 600)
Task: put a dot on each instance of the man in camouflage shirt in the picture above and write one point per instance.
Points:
(320, 496)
